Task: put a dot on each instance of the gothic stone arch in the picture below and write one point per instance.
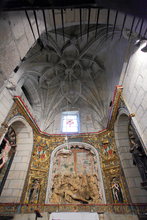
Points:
(133, 178)
(13, 186)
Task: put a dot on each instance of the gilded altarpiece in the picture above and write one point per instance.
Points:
(114, 182)
(35, 187)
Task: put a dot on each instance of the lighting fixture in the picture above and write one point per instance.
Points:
(144, 49)
(138, 43)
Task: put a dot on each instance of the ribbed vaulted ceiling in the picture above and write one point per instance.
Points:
(73, 73)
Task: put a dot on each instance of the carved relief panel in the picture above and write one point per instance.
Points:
(74, 176)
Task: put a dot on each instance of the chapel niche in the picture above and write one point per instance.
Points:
(75, 177)
(7, 152)
(139, 156)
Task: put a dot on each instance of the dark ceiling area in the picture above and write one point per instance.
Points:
(134, 7)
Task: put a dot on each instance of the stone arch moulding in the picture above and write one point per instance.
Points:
(121, 126)
(13, 186)
(131, 171)
(65, 147)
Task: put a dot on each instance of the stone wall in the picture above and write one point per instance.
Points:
(6, 103)
(135, 91)
(15, 40)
